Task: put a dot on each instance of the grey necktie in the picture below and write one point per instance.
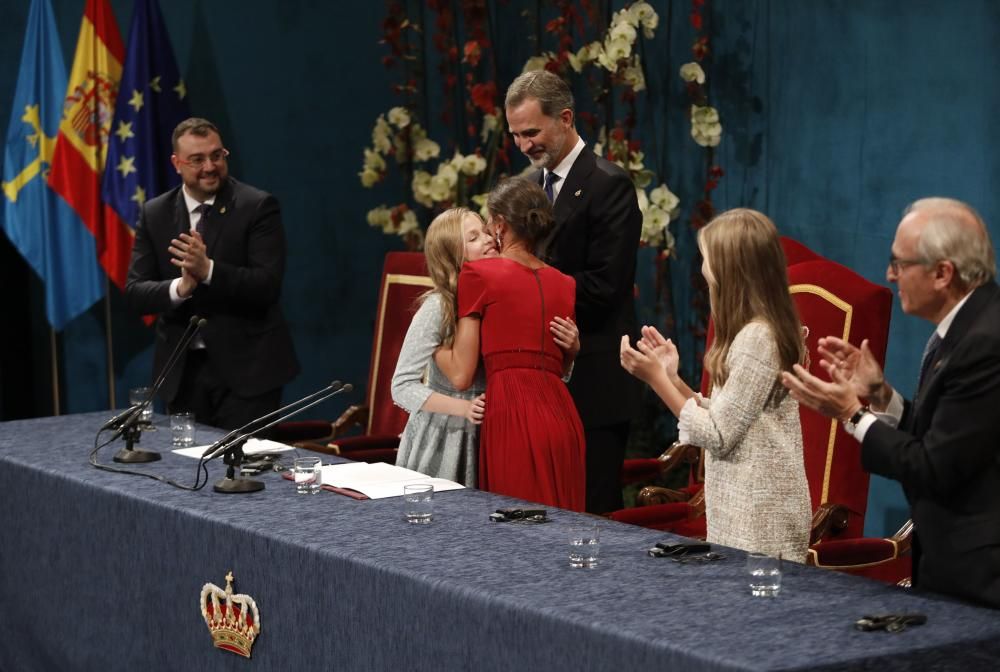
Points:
(930, 354)
(202, 211)
(550, 179)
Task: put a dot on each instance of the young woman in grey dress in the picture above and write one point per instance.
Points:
(756, 493)
(441, 437)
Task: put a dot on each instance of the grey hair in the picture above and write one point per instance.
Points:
(955, 232)
(549, 89)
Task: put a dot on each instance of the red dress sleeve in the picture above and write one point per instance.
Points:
(472, 291)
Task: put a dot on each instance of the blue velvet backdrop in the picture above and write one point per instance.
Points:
(835, 116)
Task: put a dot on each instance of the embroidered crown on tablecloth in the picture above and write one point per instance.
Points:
(233, 620)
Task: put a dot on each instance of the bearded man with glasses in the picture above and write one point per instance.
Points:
(944, 446)
(215, 248)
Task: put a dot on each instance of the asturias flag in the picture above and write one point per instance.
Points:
(152, 101)
(40, 224)
(82, 145)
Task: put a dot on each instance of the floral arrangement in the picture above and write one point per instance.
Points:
(706, 128)
(435, 182)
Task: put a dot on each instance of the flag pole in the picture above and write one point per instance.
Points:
(54, 357)
(108, 344)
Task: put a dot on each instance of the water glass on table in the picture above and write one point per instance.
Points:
(765, 574)
(584, 545)
(418, 503)
(308, 473)
(182, 429)
(137, 395)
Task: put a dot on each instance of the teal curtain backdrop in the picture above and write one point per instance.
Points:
(835, 116)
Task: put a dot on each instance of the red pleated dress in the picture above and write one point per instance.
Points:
(531, 441)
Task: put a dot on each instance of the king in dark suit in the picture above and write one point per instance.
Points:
(214, 248)
(944, 446)
(595, 240)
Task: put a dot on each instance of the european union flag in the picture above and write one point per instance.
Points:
(42, 226)
(152, 100)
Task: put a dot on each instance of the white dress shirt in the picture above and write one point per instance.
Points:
(562, 170)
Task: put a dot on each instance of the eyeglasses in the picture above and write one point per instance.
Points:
(198, 160)
(896, 264)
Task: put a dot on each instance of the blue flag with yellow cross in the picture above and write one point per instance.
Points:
(40, 224)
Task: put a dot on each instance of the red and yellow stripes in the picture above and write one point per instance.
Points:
(81, 146)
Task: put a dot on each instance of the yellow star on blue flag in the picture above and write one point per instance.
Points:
(138, 164)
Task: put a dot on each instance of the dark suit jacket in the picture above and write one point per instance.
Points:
(595, 240)
(946, 455)
(246, 336)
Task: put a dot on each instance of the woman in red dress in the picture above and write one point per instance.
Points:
(518, 312)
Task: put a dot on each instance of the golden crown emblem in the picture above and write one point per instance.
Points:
(233, 620)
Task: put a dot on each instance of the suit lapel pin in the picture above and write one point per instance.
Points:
(222, 210)
(578, 192)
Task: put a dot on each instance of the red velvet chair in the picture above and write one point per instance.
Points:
(404, 279)
(886, 559)
(831, 300)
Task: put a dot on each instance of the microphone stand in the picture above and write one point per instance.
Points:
(131, 426)
(231, 449)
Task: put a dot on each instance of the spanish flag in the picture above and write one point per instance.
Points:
(82, 143)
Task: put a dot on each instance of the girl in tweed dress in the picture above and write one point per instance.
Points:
(756, 494)
(441, 438)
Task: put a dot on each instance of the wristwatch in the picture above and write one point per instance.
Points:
(852, 423)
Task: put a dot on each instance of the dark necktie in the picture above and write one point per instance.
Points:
(550, 179)
(930, 354)
(202, 210)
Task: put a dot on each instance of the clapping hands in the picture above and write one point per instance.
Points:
(653, 356)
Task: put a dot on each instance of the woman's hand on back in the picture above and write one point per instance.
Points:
(566, 335)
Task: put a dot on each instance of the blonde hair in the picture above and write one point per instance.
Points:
(749, 282)
(444, 249)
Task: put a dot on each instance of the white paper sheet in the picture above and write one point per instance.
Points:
(251, 447)
(380, 480)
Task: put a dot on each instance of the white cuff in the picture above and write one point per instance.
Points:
(866, 421)
(893, 413)
(684, 419)
(175, 298)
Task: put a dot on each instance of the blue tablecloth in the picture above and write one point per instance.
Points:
(102, 571)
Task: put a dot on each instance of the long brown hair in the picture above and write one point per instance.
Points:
(444, 249)
(749, 282)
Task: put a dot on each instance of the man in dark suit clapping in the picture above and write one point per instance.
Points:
(595, 240)
(215, 248)
(944, 446)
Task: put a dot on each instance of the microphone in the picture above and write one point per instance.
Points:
(117, 421)
(128, 425)
(211, 451)
(232, 448)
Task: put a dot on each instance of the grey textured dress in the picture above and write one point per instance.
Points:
(756, 493)
(444, 446)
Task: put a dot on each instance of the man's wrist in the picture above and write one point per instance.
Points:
(881, 395)
(851, 412)
(852, 420)
(186, 287)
